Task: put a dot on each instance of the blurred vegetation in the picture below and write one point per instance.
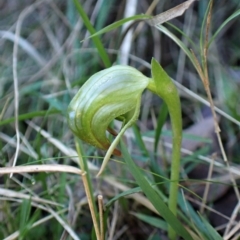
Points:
(52, 64)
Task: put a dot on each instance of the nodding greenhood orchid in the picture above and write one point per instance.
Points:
(115, 93)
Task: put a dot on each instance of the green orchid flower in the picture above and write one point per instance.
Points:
(115, 93)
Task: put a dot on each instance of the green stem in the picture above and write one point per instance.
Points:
(162, 85)
(30, 115)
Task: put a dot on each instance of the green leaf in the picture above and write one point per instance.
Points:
(202, 28)
(102, 52)
(154, 198)
(30, 115)
(123, 194)
(24, 217)
(194, 218)
(24, 213)
(177, 41)
(212, 233)
(183, 34)
(234, 15)
(118, 24)
(153, 221)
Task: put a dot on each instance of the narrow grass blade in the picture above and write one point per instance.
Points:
(193, 217)
(103, 14)
(24, 213)
(151, 194)
(153, 221)
(212, 233)
(139, 141)
(159, 175)
(234, 15)
(183, 34)
(91, 29)
(119, 23)
(24, 217)
(178, 42)
(29, 116)
(202, 28)
(122, 194)
(161, 120)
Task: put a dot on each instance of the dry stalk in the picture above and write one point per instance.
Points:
(22, 16)
(101, 220)
(207, 187)
(207, 89)
(90, 203)
(203, 73)
(40, 168)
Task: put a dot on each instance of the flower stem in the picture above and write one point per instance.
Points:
(162, 85)
(91, 205)
(88, 190)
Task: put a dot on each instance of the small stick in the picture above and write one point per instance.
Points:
(101, 221)
(206, 191)
(94, 217)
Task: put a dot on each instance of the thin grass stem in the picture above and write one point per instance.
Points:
(101, 220)
(91, 205)
(88, 189)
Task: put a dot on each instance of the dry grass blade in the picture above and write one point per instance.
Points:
(71, 153)
(112, 228)
(149, 143)
(22, 16)
(101, 220)
(205, 102)
(205, 50)
(207, 88)
(125, 48)
(4, 108)
(40, 168)
(206, 190)
(26, 46)
(232, 232)
(205, 79)
(64, 225)
(170, 14)
(91, 206)
(228, 234)
(10, 141)
(148, 12)
(67, 151)
(13, 194)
